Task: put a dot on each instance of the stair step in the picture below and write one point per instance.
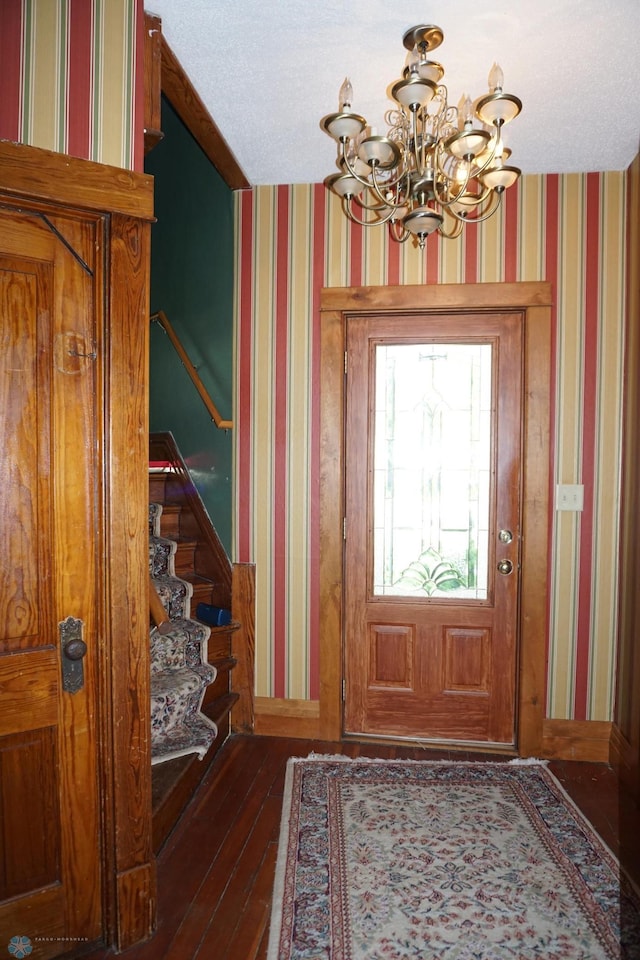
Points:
(219, 642)
(220, 708)
(157, 486)
(169, 519)
(223, 664)
(220, 686)
(202, 591)
(184, 556)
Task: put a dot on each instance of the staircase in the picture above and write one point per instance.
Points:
(180, 671)
(191, 661)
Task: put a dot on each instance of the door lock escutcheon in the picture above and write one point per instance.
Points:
(505, 536)
(73, 650)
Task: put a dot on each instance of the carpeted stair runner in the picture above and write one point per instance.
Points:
(179, 669)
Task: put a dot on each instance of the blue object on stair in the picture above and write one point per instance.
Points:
(214, 616)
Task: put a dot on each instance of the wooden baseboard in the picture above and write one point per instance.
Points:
(136, 905)
(576, 740)
(561, 739)
(287, 718)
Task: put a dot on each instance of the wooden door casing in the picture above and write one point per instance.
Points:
(432, 667)
(534, 300)
(114, 208)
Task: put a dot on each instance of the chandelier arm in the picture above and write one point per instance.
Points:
(372, 184)
(446, 204)
(492, 153)
(372, 206)
(388, 185)
(495, 199)
(352, 172)
(346, 206)
(398, 232)
(456, 231)
(461, 185)
(439, 153)
(494, 203)
(391, 184)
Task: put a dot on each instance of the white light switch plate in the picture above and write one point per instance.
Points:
(570, 496)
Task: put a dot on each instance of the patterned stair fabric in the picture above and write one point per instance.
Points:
(179, 669)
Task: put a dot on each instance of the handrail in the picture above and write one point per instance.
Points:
(161, 318)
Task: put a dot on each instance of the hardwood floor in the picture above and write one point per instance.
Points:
(215, 873)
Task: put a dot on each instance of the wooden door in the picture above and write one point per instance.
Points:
(50, 866)
(432, 455)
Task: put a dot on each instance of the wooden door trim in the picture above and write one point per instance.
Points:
(533, 299)
(55, 177)
(123, 201)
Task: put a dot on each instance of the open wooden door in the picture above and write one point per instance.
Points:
(50, 887)
(76, 859)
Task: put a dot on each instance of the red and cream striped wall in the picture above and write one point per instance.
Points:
(71, 77)
(71, 81)
(293, 240)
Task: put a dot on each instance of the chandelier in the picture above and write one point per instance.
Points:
(439, 166)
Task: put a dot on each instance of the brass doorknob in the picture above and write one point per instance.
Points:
(505, 567)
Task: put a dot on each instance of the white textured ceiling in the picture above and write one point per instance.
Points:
(269, 70)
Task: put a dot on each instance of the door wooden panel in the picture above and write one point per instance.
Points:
(467, 660)
(432, 667)
(391, 655)
(50, 886)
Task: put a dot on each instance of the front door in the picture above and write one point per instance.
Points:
(50, 862)
(432, 527)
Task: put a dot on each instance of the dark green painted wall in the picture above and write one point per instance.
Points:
(192, 282)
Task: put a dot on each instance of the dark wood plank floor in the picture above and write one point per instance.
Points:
(215, 873)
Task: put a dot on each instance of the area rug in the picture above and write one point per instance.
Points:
(387, 860)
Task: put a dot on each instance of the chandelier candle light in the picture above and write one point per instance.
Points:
(439, 166)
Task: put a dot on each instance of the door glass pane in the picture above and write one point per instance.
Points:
(432, 456)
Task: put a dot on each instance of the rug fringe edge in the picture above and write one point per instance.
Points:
(516, 761)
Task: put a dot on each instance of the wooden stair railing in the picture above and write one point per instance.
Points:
(161, 318)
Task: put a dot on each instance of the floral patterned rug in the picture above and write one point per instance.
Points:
(387, 860)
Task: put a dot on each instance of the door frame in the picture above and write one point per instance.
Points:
(123, 201)
(534, 301)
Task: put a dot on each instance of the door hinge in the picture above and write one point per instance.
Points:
(344, 528)
(345, 363)
(344, 689)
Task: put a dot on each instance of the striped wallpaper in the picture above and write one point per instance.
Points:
(71, 77)
(293, 240)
